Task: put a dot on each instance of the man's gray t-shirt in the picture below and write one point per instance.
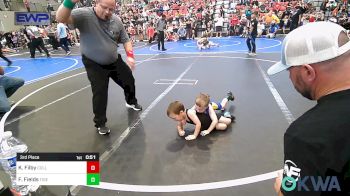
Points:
(161, 25)
(98, 38)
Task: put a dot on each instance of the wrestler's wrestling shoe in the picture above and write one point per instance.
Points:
(230, 96)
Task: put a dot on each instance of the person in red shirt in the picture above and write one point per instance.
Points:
(233, 23)
(175, 7)
(150, 33)
(312, 18)
(170, 37)
(199, 15)
(132, 32)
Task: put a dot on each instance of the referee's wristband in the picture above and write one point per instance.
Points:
(68, 4)
(130, 54)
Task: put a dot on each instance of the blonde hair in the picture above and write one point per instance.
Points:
(202, 100)
(175, 108)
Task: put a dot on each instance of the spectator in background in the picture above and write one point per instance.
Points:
(210, 29)
(182, 33)
(269, 17)
(62, 35)
(296, 16)
(304, 19)
(9, 62)
(243, 26)
(140, 32)
(332, 4)
(255, 3)
(188, 29)
(9, 42)
(166, 6)
(218, 25)
(222, 12)
(132, 33)
(261, 29)
(233, 24)
(312, 18)
(272, 30)
(285, 23)
(15, 41)
(168, 33)
(199, 15)
(172, 37)
(262, 9)
(49, 7)
(26, 5)
(52, 37)
(22, 39)
(150, 33)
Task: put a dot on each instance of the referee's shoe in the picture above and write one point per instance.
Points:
(135, 106)
(103, 130)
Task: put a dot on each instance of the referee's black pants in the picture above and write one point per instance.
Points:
(161, 40)
(99, 75)
(37, 43)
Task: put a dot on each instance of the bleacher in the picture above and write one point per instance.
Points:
(41, 6)
(34, 5)
(2, 6)
(17, 5)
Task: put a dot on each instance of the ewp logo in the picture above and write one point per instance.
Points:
(25, 18)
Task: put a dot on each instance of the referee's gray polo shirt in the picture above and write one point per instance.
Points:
(98, 38)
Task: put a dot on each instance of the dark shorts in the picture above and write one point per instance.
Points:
(219, 29)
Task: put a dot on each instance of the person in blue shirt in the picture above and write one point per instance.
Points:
(272, 30)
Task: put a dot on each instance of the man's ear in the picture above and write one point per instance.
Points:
(2, 72)
(308, 73)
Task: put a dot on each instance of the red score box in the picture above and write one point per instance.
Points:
(93, 167)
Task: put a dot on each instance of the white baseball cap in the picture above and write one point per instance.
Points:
(312, 43)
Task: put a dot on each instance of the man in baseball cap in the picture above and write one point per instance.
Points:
(317, 144)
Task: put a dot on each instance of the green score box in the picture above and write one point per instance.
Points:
(93, 179)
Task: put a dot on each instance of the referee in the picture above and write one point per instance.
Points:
(100, 32)
(252, 34)
(161, 26)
